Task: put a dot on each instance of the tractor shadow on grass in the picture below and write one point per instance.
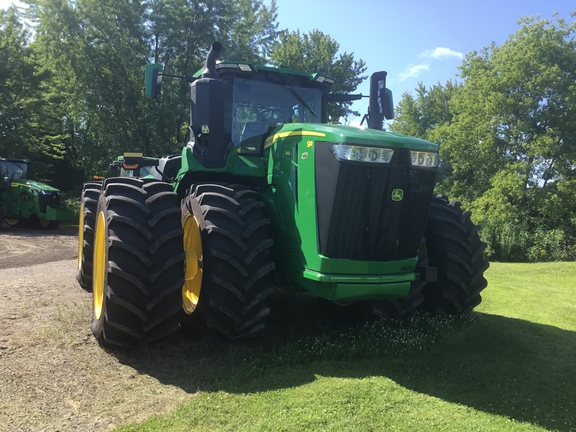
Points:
(498, 365)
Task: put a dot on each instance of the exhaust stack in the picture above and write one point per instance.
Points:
(210, 64)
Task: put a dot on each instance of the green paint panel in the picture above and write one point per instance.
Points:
(291, 201)
(243, 166)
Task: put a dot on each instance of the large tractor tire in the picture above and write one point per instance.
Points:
(454, 248)
(399, 309)
(86, 226)
(228, 262)
(138, 262)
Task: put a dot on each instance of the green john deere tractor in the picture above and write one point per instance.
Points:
(25, 201)
(267, 195)
(133, 164)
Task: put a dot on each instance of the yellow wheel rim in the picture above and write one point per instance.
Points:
(343, 303)
(193, 265)
(99, 273)
(12, 222)
(44, 222)
(80, 236)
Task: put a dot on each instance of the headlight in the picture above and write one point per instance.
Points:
(424, 159)
(49, 192)
(362, 154)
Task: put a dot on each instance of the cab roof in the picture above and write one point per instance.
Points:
(14, 160)
(248, 68)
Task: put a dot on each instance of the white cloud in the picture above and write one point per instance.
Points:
(441, 52)
(413, 71)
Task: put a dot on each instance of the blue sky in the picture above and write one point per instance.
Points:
(410, 39)
(414, 41)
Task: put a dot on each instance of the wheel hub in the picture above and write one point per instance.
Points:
(99, 275)
(193, 264)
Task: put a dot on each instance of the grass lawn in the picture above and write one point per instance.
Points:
(509, 366)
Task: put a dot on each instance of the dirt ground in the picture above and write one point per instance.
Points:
(55, 377)
(53, 374)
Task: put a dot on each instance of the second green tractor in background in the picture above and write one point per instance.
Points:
(26, 202)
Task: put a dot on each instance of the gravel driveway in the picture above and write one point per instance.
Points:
(53, 374)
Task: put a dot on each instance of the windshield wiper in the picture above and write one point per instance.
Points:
(293, 92)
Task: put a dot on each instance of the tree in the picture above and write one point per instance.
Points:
(179, 34)
(517, 114)
(419, 116)
(507, 134)
(316, 52)
(18, 81)
(28, 125)
(96, 52)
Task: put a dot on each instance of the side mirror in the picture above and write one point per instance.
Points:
(114, 170)
(381, 105)
(153, 79)
(386, 103)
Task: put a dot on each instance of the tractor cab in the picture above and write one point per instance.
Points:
(237, 105)
(133, 164)
(241, 107)
(13, 169)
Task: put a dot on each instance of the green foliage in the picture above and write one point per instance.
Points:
(20, 83)
(507, 138)
(507, 242)
(514, 242)
(422, 114)
(552, 245)
(71, 91)
(317, 52)
(516, 109)
(84, 71)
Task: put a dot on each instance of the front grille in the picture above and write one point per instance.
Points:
(51, 198)
(357, 218)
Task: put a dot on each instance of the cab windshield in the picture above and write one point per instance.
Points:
(138, 172)
(258, 105)
(14, 170)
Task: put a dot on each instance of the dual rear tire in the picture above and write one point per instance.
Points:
(228, 293)
(158, 263)
(138, 263)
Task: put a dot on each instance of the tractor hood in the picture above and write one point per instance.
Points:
(350, 134)
(34, 185)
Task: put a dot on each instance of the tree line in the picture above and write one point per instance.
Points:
(72, 99)
(507, 135)
(72, 85)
